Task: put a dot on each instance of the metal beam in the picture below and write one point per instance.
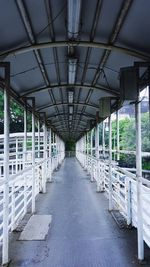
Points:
(27, 24)
(28, 27)
(87, 115)
(22, 50)
(86, 86)
(80, 127)
(92, 34)
(66, 104)
(52, 37)
(117, 27)
(73, 120)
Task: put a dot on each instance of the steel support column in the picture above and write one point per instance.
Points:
(38, 137)
(97, 155)
(50, 152)
(91, 142)
(103, 139)
(139, 179)
(84, 151)
(110, 165)
(25, 136)
(5, 249)
(118, 139)
(97, 141)
(45, 156)
(33, 156)
(24, 161)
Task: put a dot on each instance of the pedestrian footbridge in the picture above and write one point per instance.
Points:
(82, 232)
(74, 133)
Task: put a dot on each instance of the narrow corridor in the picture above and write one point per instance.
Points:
(83, 232)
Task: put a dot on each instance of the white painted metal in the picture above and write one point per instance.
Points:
(25, 136)
(45, 157)
(123, 188)
(110, 165)
(5, 253)
(97, 156)
(124, 191)
(17, 155)
(91, 140)
(139, 180)
(118, 143)
(20, 188)
(50, 163)
(33, 160)
(39, 137)
(103, 138)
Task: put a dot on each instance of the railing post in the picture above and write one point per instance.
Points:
(13, 207)
(5, 250)
(128, 199)
(110, 165)
(139, 179)
(25, 194)
(16, 154)
(92, 171)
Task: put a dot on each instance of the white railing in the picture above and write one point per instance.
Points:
(21, 189)
(18, 158)
(26, 180)
(123, 190)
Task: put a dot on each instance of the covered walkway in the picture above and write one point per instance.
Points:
(82, 233)
(70, 70)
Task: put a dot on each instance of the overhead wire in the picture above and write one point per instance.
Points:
(26, 44)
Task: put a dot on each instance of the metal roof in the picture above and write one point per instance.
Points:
(37, 40)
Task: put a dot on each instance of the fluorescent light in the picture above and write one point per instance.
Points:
(70, 96)
(72, 69)
(74, 10)
(70, 109)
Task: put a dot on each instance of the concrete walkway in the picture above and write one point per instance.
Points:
(83, 232)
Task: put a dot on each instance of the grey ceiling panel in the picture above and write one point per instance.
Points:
(110, 11)
(39, 20)
(12, 31)
(41, 98)
(135, 31)
(113, 23)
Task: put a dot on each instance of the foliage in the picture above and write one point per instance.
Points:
(127, 135)
(70, 145)
(16, 116)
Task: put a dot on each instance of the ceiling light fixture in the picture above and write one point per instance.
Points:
(70, 109)
(74, 10)
(72, 66)
(70, 96)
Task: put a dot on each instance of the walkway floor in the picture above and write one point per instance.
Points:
(83, 232)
